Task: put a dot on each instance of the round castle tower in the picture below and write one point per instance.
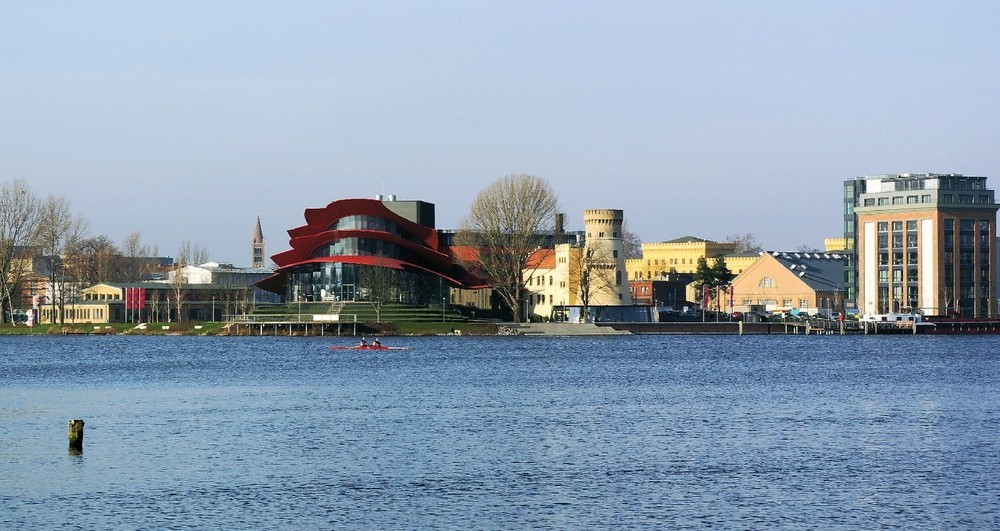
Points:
(604, 234)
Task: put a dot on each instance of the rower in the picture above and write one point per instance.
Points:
(376, 343)
(364, 343)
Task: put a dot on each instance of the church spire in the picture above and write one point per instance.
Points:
(257, 246)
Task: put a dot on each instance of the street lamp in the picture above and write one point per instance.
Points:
(213, 309)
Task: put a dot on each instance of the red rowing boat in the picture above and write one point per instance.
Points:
(366, 347)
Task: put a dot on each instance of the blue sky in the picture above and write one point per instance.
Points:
(185, 120)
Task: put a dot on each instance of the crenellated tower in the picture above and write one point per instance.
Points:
(605, 245)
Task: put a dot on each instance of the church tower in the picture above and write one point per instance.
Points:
(257, 247)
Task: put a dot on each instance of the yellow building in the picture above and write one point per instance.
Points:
(677, 256)
(782, 282)
(835, 245)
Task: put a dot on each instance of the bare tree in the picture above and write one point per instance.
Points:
(192, 254)
(154, 306)
(93, 260)
(745, 243)
(631, 243)
(58, 232)
(178, 287)
(381, 283)
(18, 218)
(187, 255)
(592, 272)
(507, 223)
(135, 259)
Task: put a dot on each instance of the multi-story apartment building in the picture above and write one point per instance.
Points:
(923, 243)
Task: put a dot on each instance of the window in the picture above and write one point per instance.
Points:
(897, 200)
(803, 304)
(883, 275)
(766, 282)
(925, 198)
(911, 200)
(883, 201)
(911, 224)
(869, 202)
(897, 226)
(787, 303)
(883, 226)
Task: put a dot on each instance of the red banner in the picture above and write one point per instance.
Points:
(135, 298)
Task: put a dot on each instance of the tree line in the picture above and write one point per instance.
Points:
(42, 237)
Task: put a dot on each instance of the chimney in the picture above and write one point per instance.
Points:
(559, 224)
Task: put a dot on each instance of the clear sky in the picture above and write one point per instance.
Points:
(185, 120)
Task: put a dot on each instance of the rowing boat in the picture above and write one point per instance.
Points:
(366, 347)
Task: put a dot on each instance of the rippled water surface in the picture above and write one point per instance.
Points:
(854, 432)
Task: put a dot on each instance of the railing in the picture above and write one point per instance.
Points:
(284, 318)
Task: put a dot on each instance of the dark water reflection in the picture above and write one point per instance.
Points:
(623, 432)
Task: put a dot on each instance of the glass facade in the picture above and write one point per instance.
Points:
(354, 249)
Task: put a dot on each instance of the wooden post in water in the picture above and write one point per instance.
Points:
(76, 435)
(739, 325)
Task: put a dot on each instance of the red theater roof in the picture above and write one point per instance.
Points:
(420, 242)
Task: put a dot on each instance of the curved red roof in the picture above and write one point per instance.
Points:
(421, 242)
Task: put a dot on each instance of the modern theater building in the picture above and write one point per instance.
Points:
(924, 243)
(332, 254)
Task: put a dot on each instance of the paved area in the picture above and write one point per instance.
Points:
(567, 329)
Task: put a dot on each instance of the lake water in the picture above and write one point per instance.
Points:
(851, 432)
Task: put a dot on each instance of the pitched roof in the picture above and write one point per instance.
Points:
(820, 271)
(258, 235)
(688, 239)
(542, 258)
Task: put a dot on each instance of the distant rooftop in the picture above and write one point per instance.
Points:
(821, 271)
